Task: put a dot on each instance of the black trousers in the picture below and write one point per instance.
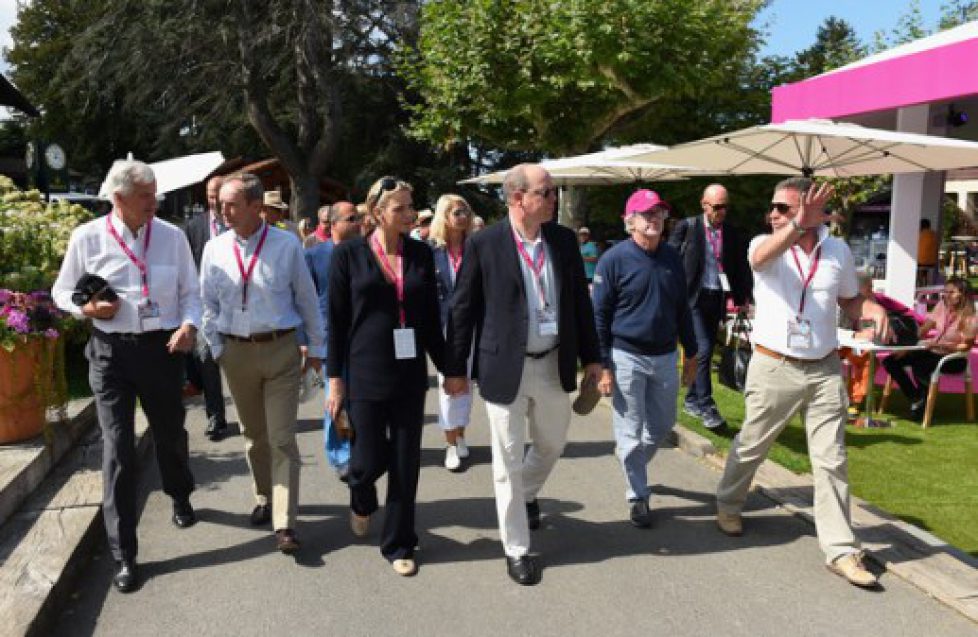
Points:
(122, 369)
(204, 372)
(388, 439)
(706, 314)
(922, 364)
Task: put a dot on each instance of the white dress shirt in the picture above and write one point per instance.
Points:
(777, 292)
(281, 294)
(172, 275)
(535, 342)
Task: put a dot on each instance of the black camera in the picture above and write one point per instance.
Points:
(92, 286)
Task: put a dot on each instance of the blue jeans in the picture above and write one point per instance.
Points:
(644, 401)
(706, 314)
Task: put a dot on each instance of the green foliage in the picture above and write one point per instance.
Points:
(957, 12)
(33, 237)
(559, 77)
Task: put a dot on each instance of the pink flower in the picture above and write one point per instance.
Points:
(51, 333)
(18, 321)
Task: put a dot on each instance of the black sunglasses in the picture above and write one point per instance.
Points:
(351, 219)
(387, 184)
(544, 192)
(782, 208)
(718, 206)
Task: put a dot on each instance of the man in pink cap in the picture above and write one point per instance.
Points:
(641, 313)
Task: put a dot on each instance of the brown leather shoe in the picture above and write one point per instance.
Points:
(359, 524)
(850, 566)
(730, 523)
(286, 541)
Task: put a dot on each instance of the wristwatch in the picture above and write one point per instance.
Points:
(796, 226)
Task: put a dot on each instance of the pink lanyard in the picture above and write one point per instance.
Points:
(716, 242)
(454, 260)
(806, 280)
(395, 275)
(246, 274)
(139, 263)
(535, 266)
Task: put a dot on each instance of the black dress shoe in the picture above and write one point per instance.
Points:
(533, 515)
(261, 514)
(523, 570)
(286, 542)
(183, 514)
(126, 577)
(217, 428)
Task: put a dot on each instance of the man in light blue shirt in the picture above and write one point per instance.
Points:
(258, 295)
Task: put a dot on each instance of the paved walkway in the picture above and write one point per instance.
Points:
(601, 577)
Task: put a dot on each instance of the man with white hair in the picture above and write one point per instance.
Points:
(143, 322)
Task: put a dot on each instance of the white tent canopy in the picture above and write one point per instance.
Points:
(180, 172)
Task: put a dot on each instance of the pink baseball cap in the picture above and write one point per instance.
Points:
(644, 200)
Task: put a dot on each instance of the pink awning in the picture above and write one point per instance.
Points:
(932, 69)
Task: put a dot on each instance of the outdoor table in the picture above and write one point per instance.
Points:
(847, 338)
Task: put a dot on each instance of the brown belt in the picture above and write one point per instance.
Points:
(263, 337)
(784, 357)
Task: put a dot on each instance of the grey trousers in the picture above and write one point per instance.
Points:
(122, 369)
(775, 391)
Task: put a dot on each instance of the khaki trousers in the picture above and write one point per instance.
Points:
(775, 391)
(542, 407)
(264, 383)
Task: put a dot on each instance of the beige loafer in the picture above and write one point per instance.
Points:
(730, 523)
(851, 567)
(359, 524)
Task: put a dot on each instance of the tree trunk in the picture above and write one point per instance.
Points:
(572, 209)
(305, 196)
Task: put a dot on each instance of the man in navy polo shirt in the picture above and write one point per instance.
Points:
(641, 312)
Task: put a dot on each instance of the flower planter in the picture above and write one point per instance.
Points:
(22, 403)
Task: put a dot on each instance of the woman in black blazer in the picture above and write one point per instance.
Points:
(449, 229)
(383, 319)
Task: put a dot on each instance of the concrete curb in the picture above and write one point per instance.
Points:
(50, 537)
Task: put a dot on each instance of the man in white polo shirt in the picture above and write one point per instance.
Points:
(800, 275)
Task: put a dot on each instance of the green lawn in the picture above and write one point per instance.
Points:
(926, 477)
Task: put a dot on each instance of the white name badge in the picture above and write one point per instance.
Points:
(547, 322)
(724, 282)
(404, 347)
(149, 316)
(240, 322)
(800, 334)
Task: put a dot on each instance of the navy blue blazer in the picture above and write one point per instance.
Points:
(443, 279)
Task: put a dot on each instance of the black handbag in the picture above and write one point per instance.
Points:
(735, 354)
(904, 328)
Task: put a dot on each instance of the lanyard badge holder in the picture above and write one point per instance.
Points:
(546, 316)
(240, 320)
(800, 334)
(405, 346)
(147, 310)
(715, 239)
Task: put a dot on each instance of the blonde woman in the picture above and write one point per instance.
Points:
(450, 227)
(383, 319)
(955, 324)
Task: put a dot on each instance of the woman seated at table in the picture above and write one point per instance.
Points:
(859, 381)
(954, 324)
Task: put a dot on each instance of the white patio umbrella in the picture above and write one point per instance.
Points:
(610, 166)
(820, 148)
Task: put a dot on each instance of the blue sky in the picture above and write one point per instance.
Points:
(792, 24)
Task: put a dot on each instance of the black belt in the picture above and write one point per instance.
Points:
(130, 337)
(263, 337)
(539, 355)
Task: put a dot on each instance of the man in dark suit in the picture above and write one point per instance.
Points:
(715, 259)
(522, 288)
(202, 370)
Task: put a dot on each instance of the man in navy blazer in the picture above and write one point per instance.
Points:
(522, 290)
(715, 260)
(202, 370)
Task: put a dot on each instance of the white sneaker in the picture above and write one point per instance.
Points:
(462, 448)
(452, 461)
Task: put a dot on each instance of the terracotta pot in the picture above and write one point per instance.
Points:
(22, 413)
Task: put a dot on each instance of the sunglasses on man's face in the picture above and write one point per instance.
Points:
(544, 192)
(351, 219)
(781, 208)
(717, 206)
